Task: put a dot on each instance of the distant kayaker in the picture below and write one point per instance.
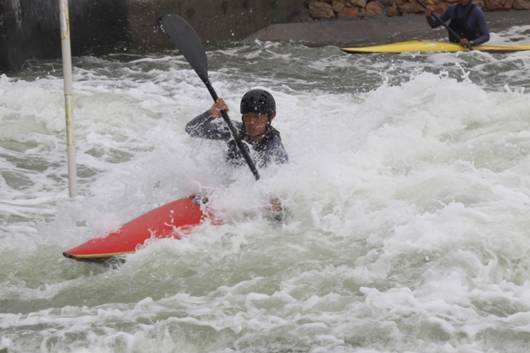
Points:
(467, 20)
(258, 109)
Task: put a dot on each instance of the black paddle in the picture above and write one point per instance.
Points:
(442, 22)
(188, 42)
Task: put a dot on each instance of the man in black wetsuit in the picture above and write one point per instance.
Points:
(258, 108)
(467, 20)
(262, 141)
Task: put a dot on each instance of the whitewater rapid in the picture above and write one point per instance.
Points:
(408, 197)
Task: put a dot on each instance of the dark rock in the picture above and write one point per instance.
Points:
(320, 9)
(338, 5)
(410, 8)
(359, 3)
(374, 8)
(348, 12)
(392, 10)
(521, 4)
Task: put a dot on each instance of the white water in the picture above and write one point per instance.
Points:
(408, 197)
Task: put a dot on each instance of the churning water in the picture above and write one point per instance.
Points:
(408, 192)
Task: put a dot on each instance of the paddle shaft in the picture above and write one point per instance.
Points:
(189, 44)
(440, 20)
(233, 130)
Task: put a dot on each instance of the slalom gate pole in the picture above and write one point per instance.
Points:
(68, 108)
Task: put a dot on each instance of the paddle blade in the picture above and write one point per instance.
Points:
(187, 42)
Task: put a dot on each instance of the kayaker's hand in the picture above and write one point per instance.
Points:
(276, 205)
(276, 209)
(466, 43)
(217, 107)
(428, 12)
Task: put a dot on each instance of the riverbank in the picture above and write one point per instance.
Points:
(370, 30)
(29, 29)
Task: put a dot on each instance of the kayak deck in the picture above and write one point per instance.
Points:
(171, 220)
(424, 46)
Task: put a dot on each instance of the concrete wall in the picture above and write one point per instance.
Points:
(214, 20)
(30, 28)
(18, 39)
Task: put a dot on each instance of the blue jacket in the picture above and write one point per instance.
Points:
(269, 149)
(467, 21)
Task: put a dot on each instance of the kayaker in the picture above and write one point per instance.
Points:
(258, 109)
(263, 142)
(466, 19)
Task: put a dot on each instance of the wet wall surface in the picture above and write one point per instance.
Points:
(30, 29)
(214, 20)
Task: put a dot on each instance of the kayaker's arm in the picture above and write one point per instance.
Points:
(208, 125)
(277, 211)
(433, 22)
(479, 20)
(277, 150)
(204, 126)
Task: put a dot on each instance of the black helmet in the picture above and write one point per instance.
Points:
(258, 101)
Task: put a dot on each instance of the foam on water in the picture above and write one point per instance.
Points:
(407, 194)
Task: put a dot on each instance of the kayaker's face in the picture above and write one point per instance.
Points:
(255, 124)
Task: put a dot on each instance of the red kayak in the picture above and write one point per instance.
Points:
(171, 220)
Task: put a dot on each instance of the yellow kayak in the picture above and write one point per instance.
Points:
(424, 46)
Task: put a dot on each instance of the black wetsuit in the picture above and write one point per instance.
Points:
(468, 22)
(268, 149)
